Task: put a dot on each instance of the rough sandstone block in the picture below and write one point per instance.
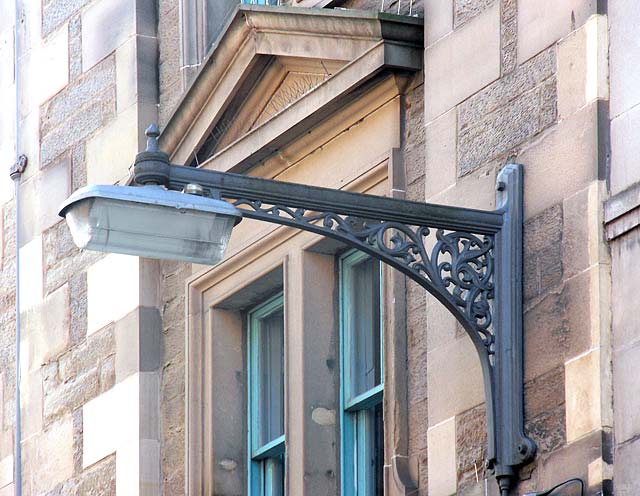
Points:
(542, 247)
(582, 391)
(558, 326)
(471, 441)
(87, 355)
(442, 458)
(68, 396)
(462, 63)
(99, 479)
(78, 95)
(75, 130)
(544, 393)
(465, 10)
(55, 12)
(506, 89)
(541, 23)
(508, 126)
(548, 429)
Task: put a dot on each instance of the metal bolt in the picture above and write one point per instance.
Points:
(193, 189)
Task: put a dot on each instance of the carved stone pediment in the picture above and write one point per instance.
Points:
(275, 72)
(282, 82)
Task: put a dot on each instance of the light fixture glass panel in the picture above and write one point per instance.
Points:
(160, 224)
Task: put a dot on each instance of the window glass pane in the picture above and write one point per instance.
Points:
(364, 326)
(271, 376)
(274, 476)
(217, 14)
(378, 450)
(369, 452)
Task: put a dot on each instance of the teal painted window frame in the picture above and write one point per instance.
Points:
(262, 460)
(356, 413)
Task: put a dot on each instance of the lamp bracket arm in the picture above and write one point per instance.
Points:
(470, 260)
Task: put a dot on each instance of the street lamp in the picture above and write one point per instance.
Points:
(150, 222)
(470, 260)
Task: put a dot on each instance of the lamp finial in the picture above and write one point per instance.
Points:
(152, 134)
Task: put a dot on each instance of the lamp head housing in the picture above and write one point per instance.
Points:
(150, 221)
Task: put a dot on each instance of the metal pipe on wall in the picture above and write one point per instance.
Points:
(16, 174)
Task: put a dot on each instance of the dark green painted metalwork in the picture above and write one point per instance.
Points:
(473, 266)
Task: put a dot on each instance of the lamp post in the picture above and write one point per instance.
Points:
(470, 260)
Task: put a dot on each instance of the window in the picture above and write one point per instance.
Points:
(202, 22)
(361, 380)
(266, 398)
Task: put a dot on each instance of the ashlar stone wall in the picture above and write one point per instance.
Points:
(90, 323)
(525, 82)
(103, 336)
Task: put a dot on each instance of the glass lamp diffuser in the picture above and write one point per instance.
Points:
(150, 221)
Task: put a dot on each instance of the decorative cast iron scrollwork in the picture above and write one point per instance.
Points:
(459, 265)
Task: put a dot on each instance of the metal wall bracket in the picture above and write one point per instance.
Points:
(470, 260)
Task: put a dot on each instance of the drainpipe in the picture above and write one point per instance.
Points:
(16, 174)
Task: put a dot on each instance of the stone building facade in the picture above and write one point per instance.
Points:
(133, 374)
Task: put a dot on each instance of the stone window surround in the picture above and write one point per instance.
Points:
(226, 291)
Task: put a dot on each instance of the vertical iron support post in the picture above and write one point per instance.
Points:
(513, 447)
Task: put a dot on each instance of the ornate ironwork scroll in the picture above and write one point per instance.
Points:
(458, 267)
